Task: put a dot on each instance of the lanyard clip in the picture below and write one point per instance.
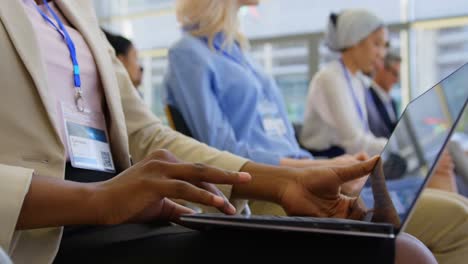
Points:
(79, 99)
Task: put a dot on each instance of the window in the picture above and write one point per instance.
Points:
(437, 53)
(286, 40)
(429, 9)
(326, 56)
(287, 62)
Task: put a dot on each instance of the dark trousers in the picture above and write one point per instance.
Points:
(330, 153)
(166, 243)
(175, 244)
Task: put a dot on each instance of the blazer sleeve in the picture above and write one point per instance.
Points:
(14, 185)
(146, 133)
(193, 85)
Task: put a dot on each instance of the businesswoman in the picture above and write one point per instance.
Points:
(71, 118)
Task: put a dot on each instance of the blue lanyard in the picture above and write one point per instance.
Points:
(243, 63)
(353, 94)
(71, 47)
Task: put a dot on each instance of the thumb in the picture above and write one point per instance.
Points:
(172, 210)
(357, 209)
(356, 171)
(362, 156)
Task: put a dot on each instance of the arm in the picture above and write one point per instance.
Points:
(142, 193)
(304, 163)
(344, 160)
(311, 191)
(136, 195)
(14, 184)
(193, 87)
(55, 202)
(336, 109)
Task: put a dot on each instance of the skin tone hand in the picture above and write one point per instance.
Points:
(352, 188)
(338, 161)
(309, 191)
(317, 192)
(444, 177)
(383, 211)
(144, 192)
(163, 177)
(139, 194)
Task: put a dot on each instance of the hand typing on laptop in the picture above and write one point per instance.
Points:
(311, 191)
(384, 211)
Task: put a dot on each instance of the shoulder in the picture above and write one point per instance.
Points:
(329, 77)
(190, 48)
(84, 9)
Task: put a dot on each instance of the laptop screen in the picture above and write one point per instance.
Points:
(413, 149)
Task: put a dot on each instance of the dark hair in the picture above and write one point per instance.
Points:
(120, 44)
(391, 58)
(334, 19)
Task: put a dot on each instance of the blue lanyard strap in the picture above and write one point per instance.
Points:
(243, 63)
(353, 94)
(71, 47)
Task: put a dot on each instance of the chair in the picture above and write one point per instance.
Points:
(297, 132)
(329, 153)
(176, 120)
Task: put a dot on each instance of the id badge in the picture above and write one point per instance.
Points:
(86, 136)
(272, 122)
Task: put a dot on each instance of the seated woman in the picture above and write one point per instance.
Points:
(71, 118)
(227, 100)
(335, 116)
(127, 53)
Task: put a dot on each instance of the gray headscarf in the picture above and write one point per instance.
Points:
(349, 27)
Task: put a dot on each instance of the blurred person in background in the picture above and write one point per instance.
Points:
(71, 121)
(127, 53)
(383, 115)
(337, 121)
(335, 117)
(224, 97)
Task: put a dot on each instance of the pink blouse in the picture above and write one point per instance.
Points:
(59, 67)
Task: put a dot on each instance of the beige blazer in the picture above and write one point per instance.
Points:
(29, 141)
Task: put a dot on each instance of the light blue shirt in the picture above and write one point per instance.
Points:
(220, 93)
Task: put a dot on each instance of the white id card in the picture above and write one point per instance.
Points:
(86, 136)
(271, 119)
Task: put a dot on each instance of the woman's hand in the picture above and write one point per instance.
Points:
(143, 192)
(317, 191)
(444, 175)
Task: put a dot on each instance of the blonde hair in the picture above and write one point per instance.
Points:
(206, 18)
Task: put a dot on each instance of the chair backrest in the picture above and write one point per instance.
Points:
(297, 130)
(176, 120)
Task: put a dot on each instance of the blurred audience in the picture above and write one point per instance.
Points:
(383, 114)
(335, 115)
(225, 99)
(127, 53)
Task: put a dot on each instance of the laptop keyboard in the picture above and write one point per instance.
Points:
(299, 222)
(281, 218)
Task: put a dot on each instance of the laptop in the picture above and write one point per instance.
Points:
(397, 181)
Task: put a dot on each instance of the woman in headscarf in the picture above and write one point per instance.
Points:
(336, 123)
(336, 117)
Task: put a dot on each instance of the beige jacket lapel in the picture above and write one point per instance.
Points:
(80, 15)
(24, 39)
